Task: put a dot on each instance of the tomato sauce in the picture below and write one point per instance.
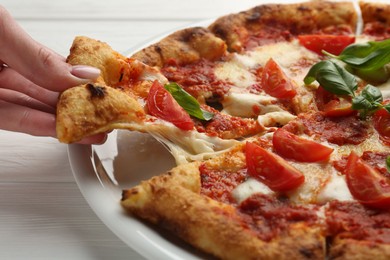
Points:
(270, 216)
(197, 78)
(377, 160)
(219, 184)
(273, 32)
(228, 127)
(352, 220)
(377, 29)
(337, 130)
(266, 215)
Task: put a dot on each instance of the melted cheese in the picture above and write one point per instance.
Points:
(187, 146)
(286, 54)
(275, 118)
(335, 189)
(243, 104)
(248, 188)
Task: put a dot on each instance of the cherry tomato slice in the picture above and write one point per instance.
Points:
(271, 169)
(333, 44)
(382, 125)
(161, 104)
(297, 148)
(367, 185)
(331, 105)
(275, 82)
(338, 107)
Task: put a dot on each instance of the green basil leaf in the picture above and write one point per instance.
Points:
(361, 103)
(188, 102)
(372, 94)
(388, 163)
(377, 76)
(387, 107)
(332, 78)
(366, 56)
(368, 101)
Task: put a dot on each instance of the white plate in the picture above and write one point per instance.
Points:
(125, 159)
(122, 162)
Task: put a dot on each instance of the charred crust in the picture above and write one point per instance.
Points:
(307, 253)
(157, 49)
(96, 91)
(120, 77)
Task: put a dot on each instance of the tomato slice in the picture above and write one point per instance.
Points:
(294, 147)
(367, 185)
(275, 82)
(271, 169)
(161, 104)
(333, 44)
(382, 125)
(331, 105)
(338, 107)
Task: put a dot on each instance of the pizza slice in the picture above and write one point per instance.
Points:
(130, 95)
(293, 193)
(199, 202)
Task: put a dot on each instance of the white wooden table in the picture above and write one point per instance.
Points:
(42, 212)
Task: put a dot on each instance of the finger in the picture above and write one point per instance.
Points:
(17, 118)
(21, 99)
(10, 79)
(95, 139)
(36, 62)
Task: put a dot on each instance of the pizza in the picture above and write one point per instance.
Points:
(278, 118)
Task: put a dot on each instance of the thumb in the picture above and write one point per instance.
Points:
(37, 63)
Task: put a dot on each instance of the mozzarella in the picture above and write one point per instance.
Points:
(286, 54)
(186, 146)
(235, 72)
(248, 188)
(275, 118)
(242, 104)
(335, 189)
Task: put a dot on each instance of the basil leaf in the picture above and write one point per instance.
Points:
(368, 101)
(377, 76)
(332, 78)
(361, 103)
(387, 107)
(388, 163)
(366, 56)
(372, 94)
(188, 102)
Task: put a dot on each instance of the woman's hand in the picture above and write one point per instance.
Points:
(31, 78)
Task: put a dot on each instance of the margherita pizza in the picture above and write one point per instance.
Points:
(278, 118)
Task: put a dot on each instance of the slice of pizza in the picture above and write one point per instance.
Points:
(312, 189)
(131, 95)
(241, 94)
(209, 206)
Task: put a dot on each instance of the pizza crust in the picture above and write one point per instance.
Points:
(302, 18)
(350, 249)
(173, 201)
(183, 47)
(94, 108)
(375, 12)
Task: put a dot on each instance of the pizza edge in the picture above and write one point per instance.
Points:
(173, 201)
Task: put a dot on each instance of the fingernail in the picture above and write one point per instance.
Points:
(85, 72)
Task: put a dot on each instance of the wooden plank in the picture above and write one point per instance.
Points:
(52, 219)
(24, 158)
(125, 9)
(121, 35)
